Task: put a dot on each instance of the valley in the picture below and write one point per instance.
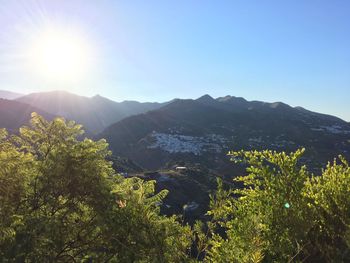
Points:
(148, 140)
(200, 131)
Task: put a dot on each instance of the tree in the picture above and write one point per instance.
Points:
(283, 213)
(60, 200)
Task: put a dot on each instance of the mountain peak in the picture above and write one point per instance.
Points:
(279, 104)
(229, 98)
(98, 97)
(52, 93)
(205, 98)
(58, 92)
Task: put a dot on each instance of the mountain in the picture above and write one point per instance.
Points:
(9, 95)
(94, 113)
(202, 131)
(14, 114)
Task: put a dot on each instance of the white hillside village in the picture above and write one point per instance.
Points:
(174, 143)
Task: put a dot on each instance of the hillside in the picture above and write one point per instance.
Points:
(95, 113)
(9, 95)
(14, 114)
(203, 130)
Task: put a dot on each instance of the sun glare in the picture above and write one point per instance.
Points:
(60, 55)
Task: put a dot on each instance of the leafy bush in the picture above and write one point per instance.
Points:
(60, 200)
(283, 213)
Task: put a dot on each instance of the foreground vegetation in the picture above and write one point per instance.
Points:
(282, 214)
(61, 201)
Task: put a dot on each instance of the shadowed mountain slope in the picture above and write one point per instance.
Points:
(203, 130)
(14, 114)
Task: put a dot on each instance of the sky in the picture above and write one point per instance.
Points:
(294, 51)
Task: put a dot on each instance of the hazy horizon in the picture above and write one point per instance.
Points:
(295, 52)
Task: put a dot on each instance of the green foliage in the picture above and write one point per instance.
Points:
(282, 214)
(329, 201)
(60, 200)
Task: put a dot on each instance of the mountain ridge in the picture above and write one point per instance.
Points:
(208, 128)
(154, 134)
(9, 95)
(227, 98)
(14, 114)
(95, 113)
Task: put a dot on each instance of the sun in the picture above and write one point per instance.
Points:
(60, 55)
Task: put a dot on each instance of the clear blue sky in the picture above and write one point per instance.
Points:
(295, 51)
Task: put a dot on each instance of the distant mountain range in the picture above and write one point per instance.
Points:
(149, 139)
(94, 113)
(9, 95)
(196, 132)
(202, 131)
